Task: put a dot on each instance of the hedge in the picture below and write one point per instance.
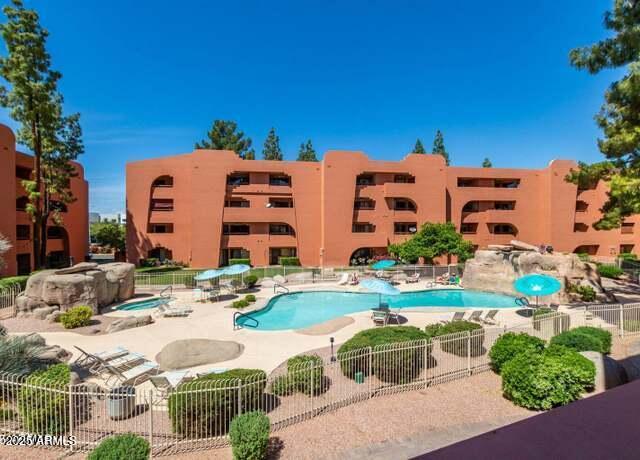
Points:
(289, 261)
(242, 303)
(10, 280)
(586, 293)
(541, 381)
(389, 364)
(509, 345)
(240, 261)
(458, 346)
(250, 298)
(610, 271)
(76, 317)
(43, 403)
(249, 435)
(306, 374)
(204, 407)
(122, 446)
(250, 280)
(585, 339)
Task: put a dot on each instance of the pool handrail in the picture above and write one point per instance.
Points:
(163, 293)
(278, 285)
(239, 314)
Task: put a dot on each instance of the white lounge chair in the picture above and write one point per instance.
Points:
(490, 318)
(344, 279)
(197, 295)
(133, 376)
(89, 359)
(412, 278)
(457, 316)
(172, 311)
(475, 316)
(380, 317)
(122, 362)
(168, 381)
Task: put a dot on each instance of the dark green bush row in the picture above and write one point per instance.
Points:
(610, 271)
(76, 317)
(10, 280)
(458, 346)
(306, 373)
(249, 435)
(288, 261)
(204, 407)
(585, 339)
(239, 261)
(122, 446)
(509, 345)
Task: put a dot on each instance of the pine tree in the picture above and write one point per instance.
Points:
(307, 152)
(34, 101)
(224, 135)
(419, 148)
(250, 155)
(619, 117)
(487, 163)
(439, 148)
(271, 150)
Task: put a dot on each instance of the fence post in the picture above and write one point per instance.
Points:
(70, 413)
(370, 371)
(312, 389)
(426, 362)
(150, 402)
(468, 353)
(621, 321)
(239, 397)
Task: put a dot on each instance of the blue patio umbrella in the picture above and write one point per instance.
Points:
(236, 269)
(382, 264)
(208, 275)
(380, 287)
(537, 285)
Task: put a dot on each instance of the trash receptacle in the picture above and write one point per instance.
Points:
(359, 377)
(121, 402)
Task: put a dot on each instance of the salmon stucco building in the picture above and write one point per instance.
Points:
(66, 243)
(207, 207)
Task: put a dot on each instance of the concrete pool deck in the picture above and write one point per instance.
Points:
(262, 349)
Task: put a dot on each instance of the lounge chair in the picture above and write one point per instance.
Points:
(89, 359)
(344, 279)
(123, 362)
(380, 317)
(412, 278)
(490, 317)
(475, 316)
(197, 295)
(171, 311)
(457, 316)
(168, 381)
(133, 376)
(354, 279)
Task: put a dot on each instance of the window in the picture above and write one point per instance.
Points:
(627, 228)
(227, 254)
(280, 180)
(163, 181)
(507, 183)
(21, 203)
(276, 253)
(404, 179)
(403, 204)
(403, 228)
(363, 227)
(23, 173)
(23, 232)
(162, 204)
(160, 228)
(626, 248)
(55, 233)
(280, 229)
(281, 202)
(237, 203)
(581, 206)
(591, 249)
(580, 227)
(469, 228)
(365, 179)
(160, 253)
(236, 229)
(503, 229)
(488, 182)
(238, 179)
(364, 203)
(471, 206)
(504, 205)
(58, 206)
(465, 182)
(24, 264)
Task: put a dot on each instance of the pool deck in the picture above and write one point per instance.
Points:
(263, 349)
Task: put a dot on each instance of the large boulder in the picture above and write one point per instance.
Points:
(128, 323)
(182, 354)
(83, 284)
(609, 372)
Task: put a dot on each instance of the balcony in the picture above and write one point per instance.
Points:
(259, 189)
(399, 190)
(490, 215)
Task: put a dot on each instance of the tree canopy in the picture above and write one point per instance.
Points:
(224, 135)
(307, 152)
(439, 148)
(619, 117)
(271, 150)
(431, 241)
(419, 148)
(486, 163)
(110, 234)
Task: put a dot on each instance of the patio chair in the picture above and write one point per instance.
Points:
(123, 362)
(169, 311)
(166, 382)
(89, 359)
(380, 317)
(344, 279)
(490, 317)
(475, 316)
(197, 295)
(412, 278)
(457, 316)
(133, 376)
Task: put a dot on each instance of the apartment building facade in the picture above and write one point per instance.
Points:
(66, 243)
(206, 207)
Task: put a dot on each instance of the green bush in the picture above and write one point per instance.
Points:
(76, 317)
(240, 303)
(509, 345)
(250, 298)
(541, 381)
(585, 339)
(240, 261)
(610, 271)
(122, 446)
(583, 256)
(249, 435)
(289, 261)
(586, 293)
(43, 403)
(250, 280)
(457, 345)
(282, 385)
(627, 256)
(306, 373)
(204, 407)
(390, 363)
(149, 262)
(11, 280)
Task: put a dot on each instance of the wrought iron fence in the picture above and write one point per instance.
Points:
(197, 414)
(8, 297)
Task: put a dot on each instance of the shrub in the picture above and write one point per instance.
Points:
(149, 262)
(122, 446)
(282, 386)
(240, 261)
(204, 407)
(390, 363)
(306, 373)
(627, 256)
(586, 293)
(509, 345)
(610, 271)
(583, 256)
(250, 280)
(289, 261)
(44, 402)
(250, 298)
(240, 303)
(11, 280)
(585, 339)
(249, 435)
(458, 346)
(541, 381)
(76, 317)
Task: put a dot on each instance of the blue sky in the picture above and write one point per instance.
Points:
(150, 76)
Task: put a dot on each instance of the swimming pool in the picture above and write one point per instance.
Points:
(303, 309)
(144, 304)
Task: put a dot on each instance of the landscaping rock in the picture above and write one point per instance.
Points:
(128, 323)
(35, 339)
(609, 372)
(54, 316)
(54, 354)
(43, 312)
(77, 268)
(195, 352)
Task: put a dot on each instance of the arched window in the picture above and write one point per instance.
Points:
(163, 181)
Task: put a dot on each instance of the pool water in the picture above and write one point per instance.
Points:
(144, 304)
(303, 309)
